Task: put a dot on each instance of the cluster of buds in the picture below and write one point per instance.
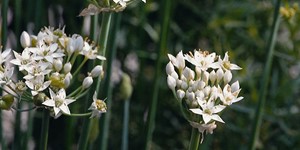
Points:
(46, 63)
(203, 90)
(97, 7)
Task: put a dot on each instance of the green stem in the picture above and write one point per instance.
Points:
(161, 53)
(106, 20)
(45, 128)
(125, 125)
(266, 75)
(107, 89)
(79, 115)
(79, 67)
(195, 139)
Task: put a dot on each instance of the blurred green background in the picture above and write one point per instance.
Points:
(241, 27)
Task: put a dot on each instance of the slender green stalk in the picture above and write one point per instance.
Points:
(266, 75)
(125, 125)
(45, 128)
(195, 139)
(106, 21)
(161, 53)
(107, 89)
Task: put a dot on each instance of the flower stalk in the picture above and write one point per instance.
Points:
(264, 84)
(195, 139)
(45, 129)
(162, 51)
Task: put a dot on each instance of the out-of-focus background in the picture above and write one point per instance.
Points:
(241, 27)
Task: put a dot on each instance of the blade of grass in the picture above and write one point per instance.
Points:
(162, 52)
(266, 76)
(125, 125)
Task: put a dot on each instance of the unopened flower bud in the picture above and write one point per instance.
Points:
(180, 94)
(126, 87)
(198, 72)
(87, 82)
(205, 77)
(78, 42)
(57, 64)
(170, 68)
(212, 76)
(67, 80)
(97, 71)
(220, 75)
(171, 82)
(227, 77)
(188, 73)
(67, 67)
(184, 85)
(6, 101)
(25, 39)
(39, 99)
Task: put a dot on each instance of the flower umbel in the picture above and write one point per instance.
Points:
(204, 88)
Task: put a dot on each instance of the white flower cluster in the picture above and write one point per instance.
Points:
(205, 88)
(46, 63)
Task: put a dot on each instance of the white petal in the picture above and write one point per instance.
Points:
(217, 118)
(234, 67)
(206, 118)
(217, 108)
(64, 108)
(197, 111)
(50, 103)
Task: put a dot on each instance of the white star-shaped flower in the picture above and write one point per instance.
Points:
(201, 59)
(90, 53)
(208, 110)
(230, 94)
(22, 60)
(37, 84)
(59, 102)
(97, 107)
(225, 64)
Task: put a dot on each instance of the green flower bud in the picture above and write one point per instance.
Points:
(6, 101)
(39, 99)
(126, 87)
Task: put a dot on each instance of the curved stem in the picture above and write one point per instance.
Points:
(79, 115)
(266, 75)
(45, 128)
(23, 110)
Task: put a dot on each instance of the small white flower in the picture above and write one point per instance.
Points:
(230, 94)
(59, 102)
(37, 69)
(5, 77)
(97, 107)
(4, 56)
(201, 59)
(22, 60)
(177, 61)
(91, 53)
(225, 64)
(25, 39)
(37, 84)
(208, 111)
(121, 2)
